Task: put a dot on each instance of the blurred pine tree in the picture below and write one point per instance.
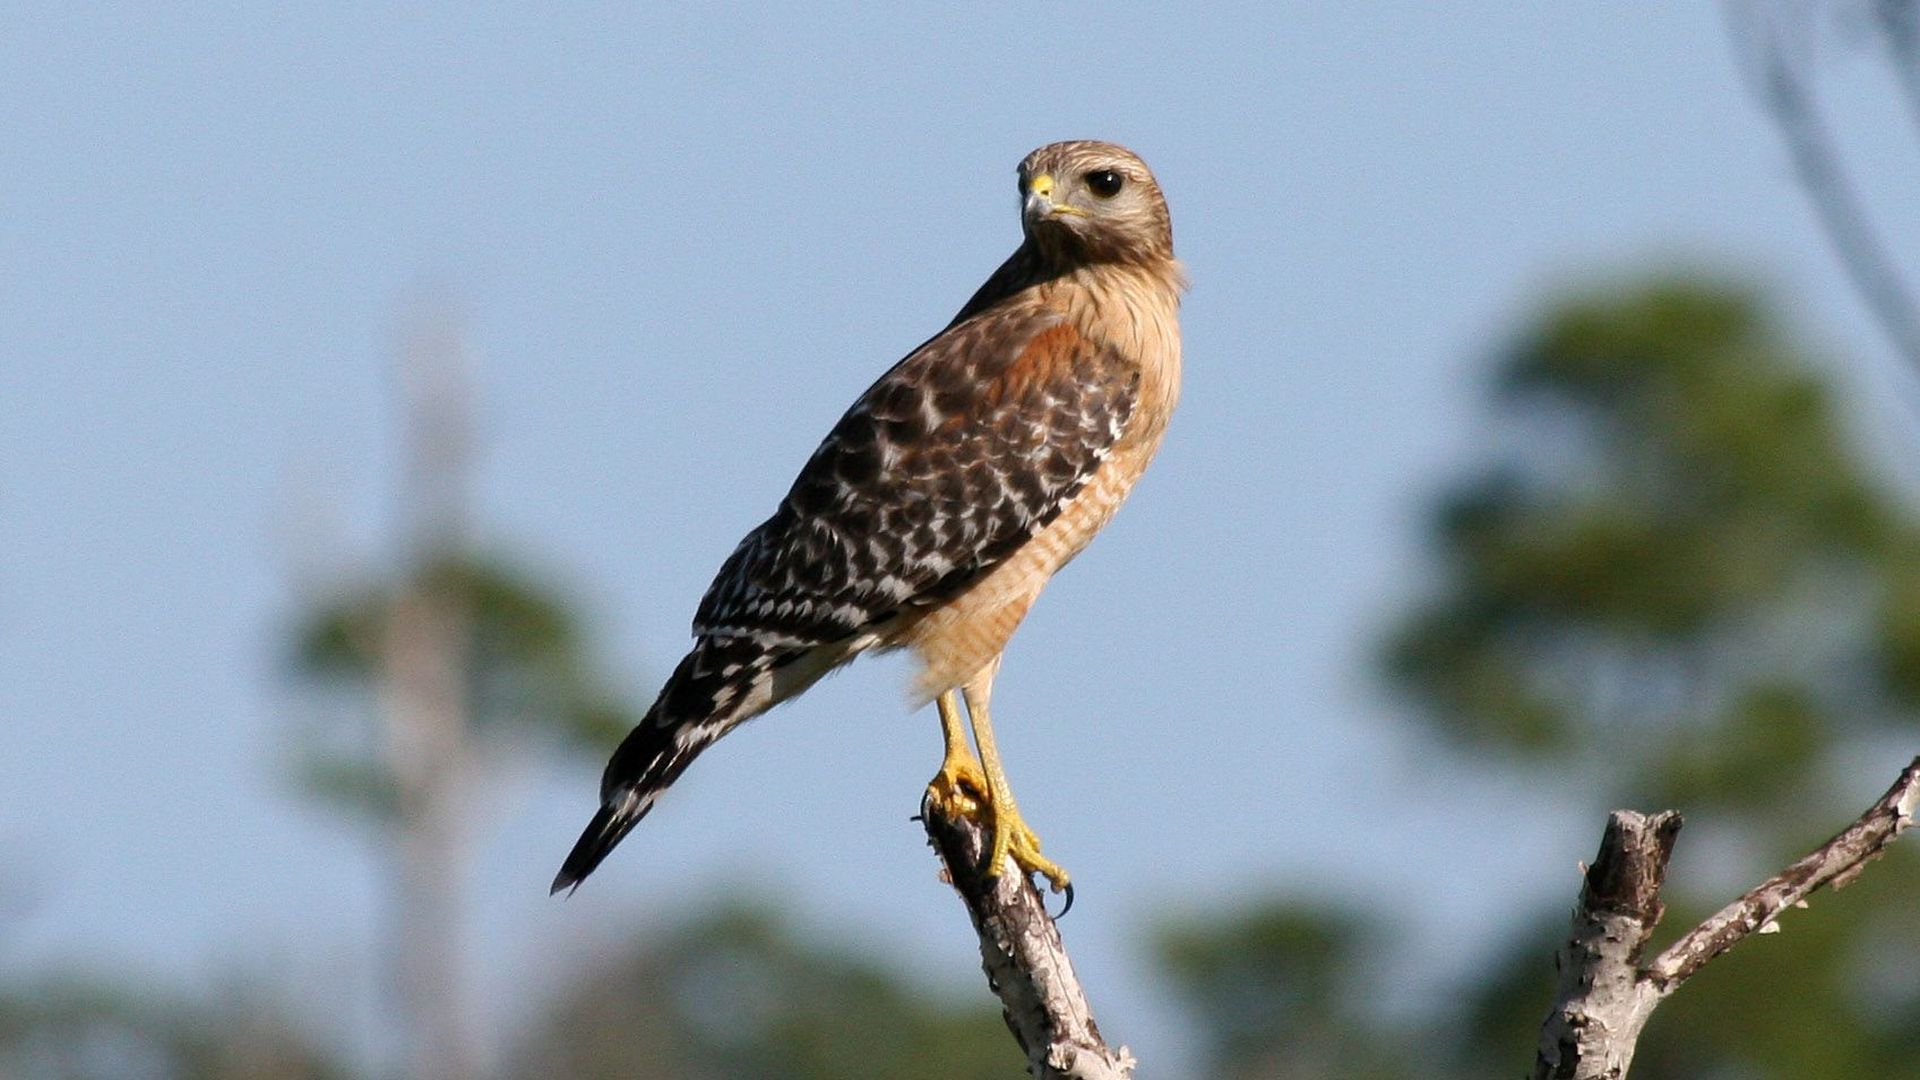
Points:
(1678, 587)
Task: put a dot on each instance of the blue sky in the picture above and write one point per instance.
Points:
(683, 241)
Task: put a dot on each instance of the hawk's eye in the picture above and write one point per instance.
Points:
(1104, 183)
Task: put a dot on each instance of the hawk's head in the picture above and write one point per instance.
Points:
(1095, 201)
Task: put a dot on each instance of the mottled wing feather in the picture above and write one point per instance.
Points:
(948, 463)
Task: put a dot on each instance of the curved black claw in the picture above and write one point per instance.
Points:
(1068, 906)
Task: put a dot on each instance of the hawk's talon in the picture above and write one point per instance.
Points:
(959, 789)
(1012, 838)
(976, 789)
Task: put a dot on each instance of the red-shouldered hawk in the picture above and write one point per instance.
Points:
(938, 507)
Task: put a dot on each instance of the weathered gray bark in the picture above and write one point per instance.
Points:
(1025, 961)
(1602, 1002)
(1606, 994)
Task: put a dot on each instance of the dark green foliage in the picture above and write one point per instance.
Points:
(1897, 657)
(738, 995)
(1684, 561)
(530, 672)
(88, 1031)
(1677, 586)
(1688, 591)
(1284, 991)
(527, 655)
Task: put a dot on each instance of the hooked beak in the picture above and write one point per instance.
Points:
(1040, 205)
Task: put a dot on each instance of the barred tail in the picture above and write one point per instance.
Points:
(721, 683)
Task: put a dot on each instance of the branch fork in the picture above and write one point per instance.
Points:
(1607, 994)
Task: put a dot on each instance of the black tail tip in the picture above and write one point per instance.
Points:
(609, 826)
(565, 879)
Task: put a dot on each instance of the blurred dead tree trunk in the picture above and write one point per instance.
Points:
(1606, 993)
(439, 667)
(424, 707)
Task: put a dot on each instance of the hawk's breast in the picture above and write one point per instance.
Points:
(1135, 324)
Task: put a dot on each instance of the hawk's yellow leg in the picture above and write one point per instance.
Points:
(959, 789)
(1011, 836)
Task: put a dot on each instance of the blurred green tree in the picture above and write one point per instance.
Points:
(433, 673)
(1286, 991)
(528, 672)
(1676, 583)
(1684, 588)
(739, 995)
(73, 1030)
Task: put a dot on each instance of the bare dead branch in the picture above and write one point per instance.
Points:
(1836, 862)
(1025, 961)
(1606, 995)
(1602, 1003)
